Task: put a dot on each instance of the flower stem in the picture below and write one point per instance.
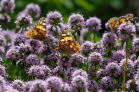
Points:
(94, 37)
(125, 69)
(57, 33)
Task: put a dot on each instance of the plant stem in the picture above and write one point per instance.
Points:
(94, 37)
(57, 33)
(87, 66)
(125, 69)
(78, 36)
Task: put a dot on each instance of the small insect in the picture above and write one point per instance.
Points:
(67, 43)
(113, 23)
(38, 31)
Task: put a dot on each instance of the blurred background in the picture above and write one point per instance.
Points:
(104, 9)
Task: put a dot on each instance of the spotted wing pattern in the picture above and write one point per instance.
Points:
(67, 43)
(38, 31)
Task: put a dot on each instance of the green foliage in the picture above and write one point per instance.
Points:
(14, 71)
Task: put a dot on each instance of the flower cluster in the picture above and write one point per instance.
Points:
(32, 65)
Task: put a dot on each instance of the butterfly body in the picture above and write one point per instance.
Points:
(67, 43)
(39, 31)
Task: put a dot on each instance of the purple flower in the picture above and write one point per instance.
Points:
(126, 31)
(84, 34)
(27, 86)
(54, 17)
(23, 20)
(105, 62)
(58, 71)
(98, 48)
(1, 60)
(136, 64)
(106, 25)
(32, 59)
(93, 23)
(65, 26)
(112, 69)
(9, 88)
(43, 49)
(2, 50)
(130, 67)
(13, 54)
(95, 57)
(19, 39)
(34, 44)
(100, 72)
(23, 48)
(2, 81)
(79, 82)
(4, 18)
(53, 57)
(64, 62)
(2, 41)
(8, 5)
(93, 85)
(66, 87)
(101, 90)
(42, 71)
(107, 83)
(10, 34)
(76, 59)
(53, 30)
(137, 75)
(18, 84)
(38, 86)
(33, 10)
(76, 21)
(69, 72)
(54, 83)
(132, 85)
(109, 39)
(87, 47)
(135, 45)
(130, 64)
(120, 54)
(81, 73)
(133, 57)
(3, 71)
(51, 41)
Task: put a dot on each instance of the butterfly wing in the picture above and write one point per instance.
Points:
(113, 23)
(39, 31)
(67, 43)
(128, 18)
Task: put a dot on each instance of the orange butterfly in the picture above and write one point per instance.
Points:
(129, 18)
(39, 31)
(67, 44)
(113, 23)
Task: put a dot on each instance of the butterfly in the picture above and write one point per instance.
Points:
(128, 18)
(67, 43)
(113, 23)
(38, 31)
